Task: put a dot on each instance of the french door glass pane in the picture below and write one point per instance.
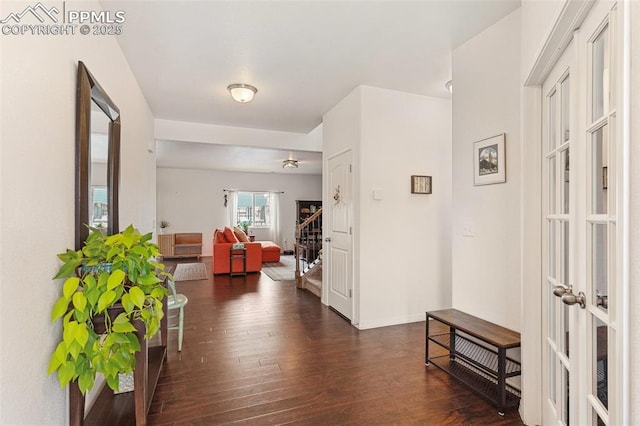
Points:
(553, 272)
(553, 130)
(564, 279)
(608, 298)
(565, 396)
(553, 367)
(564, 309)
(565, 109)
(600, 362)
(599, 263)
(565, 252)
(565, 326)
(552, 185)
(599, 170)
(565, 185)
(600, 74)
(553, 300)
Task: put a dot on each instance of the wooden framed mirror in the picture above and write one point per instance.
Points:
(97, 158)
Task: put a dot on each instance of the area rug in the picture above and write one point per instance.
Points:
(285, 270)
(190, 271)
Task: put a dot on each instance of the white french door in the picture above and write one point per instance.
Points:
(559, 123)
(581, 272)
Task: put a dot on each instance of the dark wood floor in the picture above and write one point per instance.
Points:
(262, 352)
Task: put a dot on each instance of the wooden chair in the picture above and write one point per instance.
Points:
(177, 301)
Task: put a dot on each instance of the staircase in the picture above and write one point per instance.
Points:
(308, 251)
(312, 279)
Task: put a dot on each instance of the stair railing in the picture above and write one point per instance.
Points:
(308, 242)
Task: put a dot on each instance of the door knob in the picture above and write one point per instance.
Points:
(602, 299)
(567, 296)
(560, 290)
(571, 299)
(328, 239)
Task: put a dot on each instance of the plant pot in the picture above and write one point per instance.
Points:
(95, 269)
(125, 383)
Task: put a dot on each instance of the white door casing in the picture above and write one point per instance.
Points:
(338, 245)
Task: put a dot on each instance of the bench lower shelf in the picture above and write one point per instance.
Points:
(481, 383)
(473, 351)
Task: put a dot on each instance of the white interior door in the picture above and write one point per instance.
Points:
(559, 200)
(581, 278)
(338, 242)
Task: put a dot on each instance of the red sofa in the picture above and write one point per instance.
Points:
(221, 248)
(270, 251)
(257, 252)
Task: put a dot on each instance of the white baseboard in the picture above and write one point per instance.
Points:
(385, 322)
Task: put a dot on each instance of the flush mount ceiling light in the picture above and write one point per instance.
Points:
(449, 86)
(242, 93)
(290, 164)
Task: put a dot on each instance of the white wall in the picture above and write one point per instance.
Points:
(402, 242)
(341, 132)
(192, 200)
(486, 102)
(537, 20)
(405, 251)
(38, 77)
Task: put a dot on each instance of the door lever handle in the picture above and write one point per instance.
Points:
(328, 239)
(571, 299)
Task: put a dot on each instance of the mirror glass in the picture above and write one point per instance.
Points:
(99, 149)
(97, 158)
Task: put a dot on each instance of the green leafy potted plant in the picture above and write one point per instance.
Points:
(244, 225)
(164, 224)
(112, 284)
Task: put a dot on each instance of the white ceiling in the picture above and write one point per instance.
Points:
(303, 56)
(193, 155)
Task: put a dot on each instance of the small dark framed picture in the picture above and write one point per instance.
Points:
(420, 184)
